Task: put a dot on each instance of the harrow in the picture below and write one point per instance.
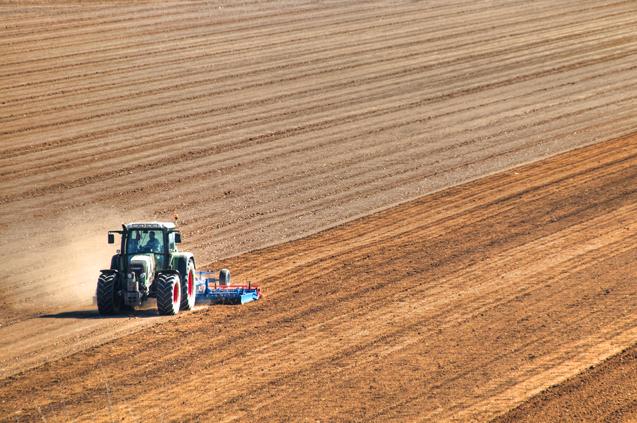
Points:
(212, 290)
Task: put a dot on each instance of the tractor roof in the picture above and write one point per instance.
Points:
(150, 225)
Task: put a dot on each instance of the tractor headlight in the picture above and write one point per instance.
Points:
(130, 276)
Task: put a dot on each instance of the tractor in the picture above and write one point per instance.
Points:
(147, 265)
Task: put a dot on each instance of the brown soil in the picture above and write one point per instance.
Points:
(261, 122)
(606, 392)
(459, 305)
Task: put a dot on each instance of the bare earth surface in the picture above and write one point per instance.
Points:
(263, 122)
(458, 305)
(607, 392)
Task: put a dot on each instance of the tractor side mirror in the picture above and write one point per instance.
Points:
(177, 238)
(111, 238)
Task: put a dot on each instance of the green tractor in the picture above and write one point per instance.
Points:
(148, 265)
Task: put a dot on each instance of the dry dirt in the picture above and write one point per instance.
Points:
(606, 392)
(262, 122)
(458, 305)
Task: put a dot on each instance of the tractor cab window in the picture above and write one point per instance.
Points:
(143, 241)
(172, 246)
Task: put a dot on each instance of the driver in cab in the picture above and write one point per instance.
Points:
(152, 244)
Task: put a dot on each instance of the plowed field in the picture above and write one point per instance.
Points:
(458, 305)
(606, 392)
(263, 122)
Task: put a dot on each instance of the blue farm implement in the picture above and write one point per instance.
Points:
(213, 290)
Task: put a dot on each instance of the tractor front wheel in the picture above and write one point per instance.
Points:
(188, 293)
(168, 294)
(108, 302)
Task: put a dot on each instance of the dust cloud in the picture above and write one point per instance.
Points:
(54, 263)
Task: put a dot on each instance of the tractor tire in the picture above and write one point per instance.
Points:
(188, 293)
(168, 294)
(108, 303)
(224, 277)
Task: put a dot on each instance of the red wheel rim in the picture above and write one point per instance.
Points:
(191, 284)
(176, 292)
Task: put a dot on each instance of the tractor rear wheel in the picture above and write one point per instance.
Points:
(188, 293)
(108, 302)
(168, 294)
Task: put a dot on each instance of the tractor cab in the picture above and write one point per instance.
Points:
(149, 245)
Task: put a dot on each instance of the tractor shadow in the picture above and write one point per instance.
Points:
(93, 314)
